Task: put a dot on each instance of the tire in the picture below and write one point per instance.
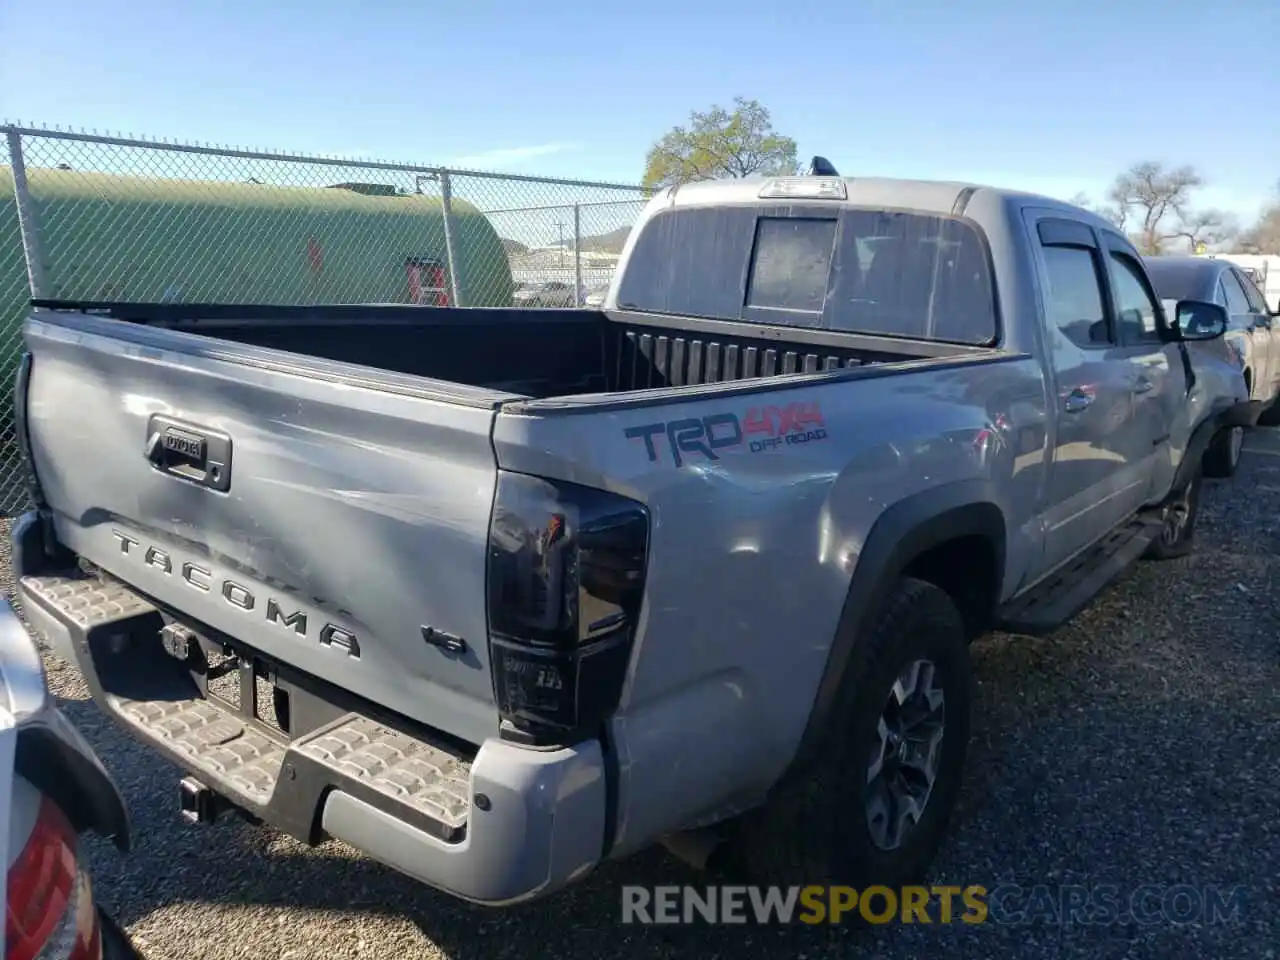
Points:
(822, 830)
(1178, 516)
(1222, 459)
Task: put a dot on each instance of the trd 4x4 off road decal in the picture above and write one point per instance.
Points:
(758, 430)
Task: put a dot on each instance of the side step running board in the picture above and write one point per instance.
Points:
(1063, 594)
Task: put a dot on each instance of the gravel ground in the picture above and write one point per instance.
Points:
(1140, 745)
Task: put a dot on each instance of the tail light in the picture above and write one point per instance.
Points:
(51, 914)
(566, 579)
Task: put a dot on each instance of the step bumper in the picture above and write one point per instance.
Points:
(504, 825)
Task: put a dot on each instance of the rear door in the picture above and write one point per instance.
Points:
(1096, 477)
(326, 515)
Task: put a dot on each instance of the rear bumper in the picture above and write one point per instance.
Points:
(505, 825)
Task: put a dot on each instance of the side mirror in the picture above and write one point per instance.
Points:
(1198, 320)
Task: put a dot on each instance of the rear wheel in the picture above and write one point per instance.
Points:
(1222, 459)
(877, 807)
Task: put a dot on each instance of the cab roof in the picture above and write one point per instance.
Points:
(946, 197)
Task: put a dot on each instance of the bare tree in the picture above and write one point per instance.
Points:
(1204, 228)
(1264, 235)
(1153, 205)
(1085, 202)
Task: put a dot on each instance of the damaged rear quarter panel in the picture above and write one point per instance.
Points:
(760, 501)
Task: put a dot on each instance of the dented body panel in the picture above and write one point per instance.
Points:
(781, 489)
(362, 511)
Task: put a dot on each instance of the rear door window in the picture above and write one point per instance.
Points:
(882, 272)
(1135, 306)
(1257, 303)
(1237, 300)
(1073, 296)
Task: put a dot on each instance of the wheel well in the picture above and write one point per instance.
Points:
(964, 567)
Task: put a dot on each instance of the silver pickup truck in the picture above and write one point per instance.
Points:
(495, 595)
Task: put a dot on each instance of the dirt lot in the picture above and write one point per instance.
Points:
(1139, 746)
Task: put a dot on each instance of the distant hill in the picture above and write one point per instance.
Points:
(611, 242)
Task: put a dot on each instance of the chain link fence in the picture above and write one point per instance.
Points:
(89, 217)
(575, 264)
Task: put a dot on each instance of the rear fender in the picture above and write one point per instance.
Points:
(1193, 456)
(902, 533)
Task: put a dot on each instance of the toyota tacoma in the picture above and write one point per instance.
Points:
(495, 595)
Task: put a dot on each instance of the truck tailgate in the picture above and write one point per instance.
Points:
(327, 516)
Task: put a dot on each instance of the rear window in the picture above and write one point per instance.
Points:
(791, 264)
(877, 272)
(1176, 281)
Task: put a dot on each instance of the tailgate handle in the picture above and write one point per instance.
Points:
(189, 452)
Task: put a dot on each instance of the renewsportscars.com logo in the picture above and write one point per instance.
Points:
(813, 904)
(1004, 904)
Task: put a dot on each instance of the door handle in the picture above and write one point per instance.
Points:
(1143, 385)
(190, 452)
(1077, 400)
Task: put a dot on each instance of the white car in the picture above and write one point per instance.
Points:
(552, 293)
(595, 296)
(53, 788)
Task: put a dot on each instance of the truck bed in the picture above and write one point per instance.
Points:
(537, 353)
(318, 484)
(359, 520)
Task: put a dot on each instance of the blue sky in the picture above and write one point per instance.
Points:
(1049, 96)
